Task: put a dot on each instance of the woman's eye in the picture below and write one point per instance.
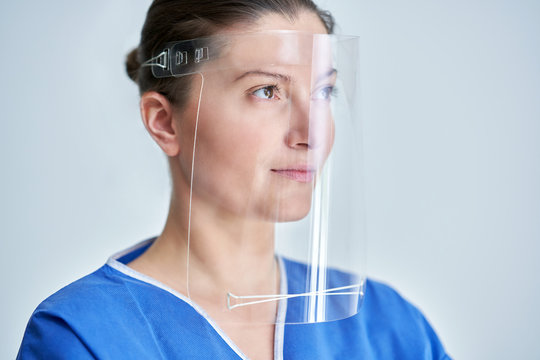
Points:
(267, 92)
(324, 93)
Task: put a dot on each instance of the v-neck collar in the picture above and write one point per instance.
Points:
(119, 260)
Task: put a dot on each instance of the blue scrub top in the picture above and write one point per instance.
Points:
(118, 313)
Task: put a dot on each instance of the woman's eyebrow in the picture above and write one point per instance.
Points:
(330, 73)
(264, 73)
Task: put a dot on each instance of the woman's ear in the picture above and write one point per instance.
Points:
(157, 116)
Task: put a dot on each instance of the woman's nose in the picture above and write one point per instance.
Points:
(298, 134)
(307, 125)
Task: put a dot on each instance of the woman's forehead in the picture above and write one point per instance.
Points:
(292, 52)
(274, 47)
(274, 39)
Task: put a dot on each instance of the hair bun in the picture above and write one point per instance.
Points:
(133, 65)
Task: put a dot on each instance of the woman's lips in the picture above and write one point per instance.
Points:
(300, 175)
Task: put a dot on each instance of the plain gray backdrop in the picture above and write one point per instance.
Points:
(451, 94)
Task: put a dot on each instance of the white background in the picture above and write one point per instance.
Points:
(452, 126)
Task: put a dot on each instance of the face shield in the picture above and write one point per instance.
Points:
(271, 150)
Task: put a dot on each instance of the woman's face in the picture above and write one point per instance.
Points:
(264, 126)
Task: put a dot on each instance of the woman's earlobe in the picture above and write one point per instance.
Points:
(157, 116)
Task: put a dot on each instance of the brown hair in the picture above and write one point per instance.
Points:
(176, 20)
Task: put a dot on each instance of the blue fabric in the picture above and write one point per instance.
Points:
(110, 315)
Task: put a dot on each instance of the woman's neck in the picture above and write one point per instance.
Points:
(223, 253)
(212, 252)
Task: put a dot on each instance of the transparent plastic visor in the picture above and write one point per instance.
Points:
(272, 173)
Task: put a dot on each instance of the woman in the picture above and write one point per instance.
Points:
(237, 94)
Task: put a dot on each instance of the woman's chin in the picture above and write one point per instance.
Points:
(292, 212)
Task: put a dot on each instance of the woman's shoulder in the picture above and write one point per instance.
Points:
(99, 298)
(385, 306)
(78, 321)
(78, 290)
(97, 287)
(382, 296)
(394, 324)
(386, 326)
(106, 299)
(56, 327)
(101, 291)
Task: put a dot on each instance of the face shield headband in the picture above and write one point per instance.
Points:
(272, 146)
